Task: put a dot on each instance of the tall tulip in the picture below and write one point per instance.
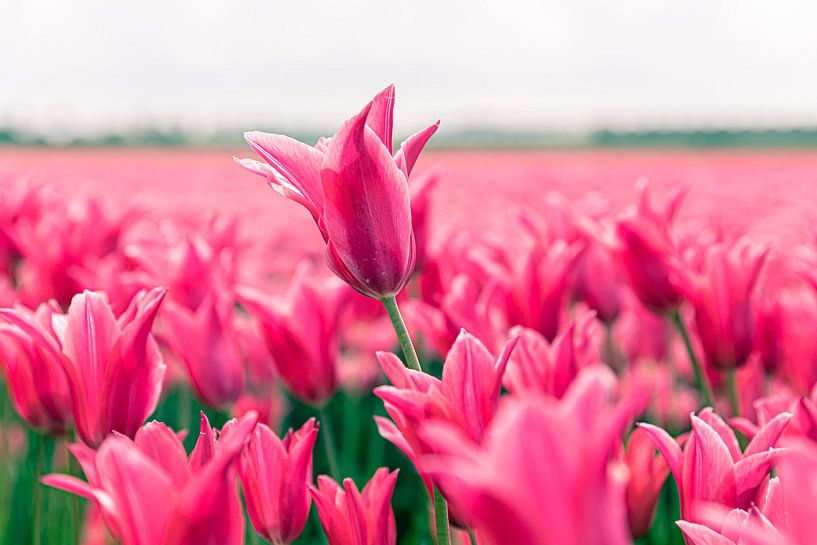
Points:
(356, 192)
(276, 475)
(352, 517)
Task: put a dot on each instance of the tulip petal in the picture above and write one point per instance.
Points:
(410, 149)
(367, 211)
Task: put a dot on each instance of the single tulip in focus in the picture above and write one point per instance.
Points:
(206, 341)
(711, 467)
(356, 192)
(299, 329)
(722, 299)
(350, 517)
(276, 475)
(113, 366)
(546, 473)
(467, 396)
(151, 493)
(648, 472)
(32, 366)
(648, 256)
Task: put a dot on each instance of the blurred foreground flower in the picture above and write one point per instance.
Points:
(151, 493)
(544, 474)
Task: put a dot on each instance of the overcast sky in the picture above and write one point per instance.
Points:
(527, 64)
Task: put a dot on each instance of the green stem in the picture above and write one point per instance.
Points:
(76, 508)
(472, 537)
(734, 397)
(441, 519)
(38, 492)
(329, 444)
(701, 381)
(402, 333)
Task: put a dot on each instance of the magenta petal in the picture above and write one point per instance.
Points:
(381, 116)
(411, 148)
(698, 534)
(297, 164)
(667, 446)
(367, 212)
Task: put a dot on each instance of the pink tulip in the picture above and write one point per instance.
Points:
(350, 517)
(206, 341)
(356, 192)
(276, 475)
(648, 256)
(299, 329)
(151, 493)
(722, 299)
(647, 475)
(711, 467)
(32, 365)
(466, 397)
(539, 285)
(421, 189)
(545, 473)
(113, 366)
(760, 522)
(537, 366)
(600, 292)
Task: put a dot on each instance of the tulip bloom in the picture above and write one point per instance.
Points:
(600, 292)
(467, 395)
(647, 475)
(206, 341)
(356, 192)
(151, 493)
(722, 299)
(763, 522)
(299, 329)
(711, 467)
(350, 517)
(276, 475)
(545, 474)
(113, 366)
(31, 363)
(537, 366)
(648, 256)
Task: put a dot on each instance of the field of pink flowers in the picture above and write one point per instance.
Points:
(329, 345)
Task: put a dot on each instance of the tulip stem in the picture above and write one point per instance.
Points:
(402, 333)
(701, 382)
(734, 396)
(441, 519)
(37, 503)
(329, 444)
(472, 537)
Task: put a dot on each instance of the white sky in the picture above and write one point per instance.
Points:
(83, 65)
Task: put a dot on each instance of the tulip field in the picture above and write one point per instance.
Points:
(360, 341)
